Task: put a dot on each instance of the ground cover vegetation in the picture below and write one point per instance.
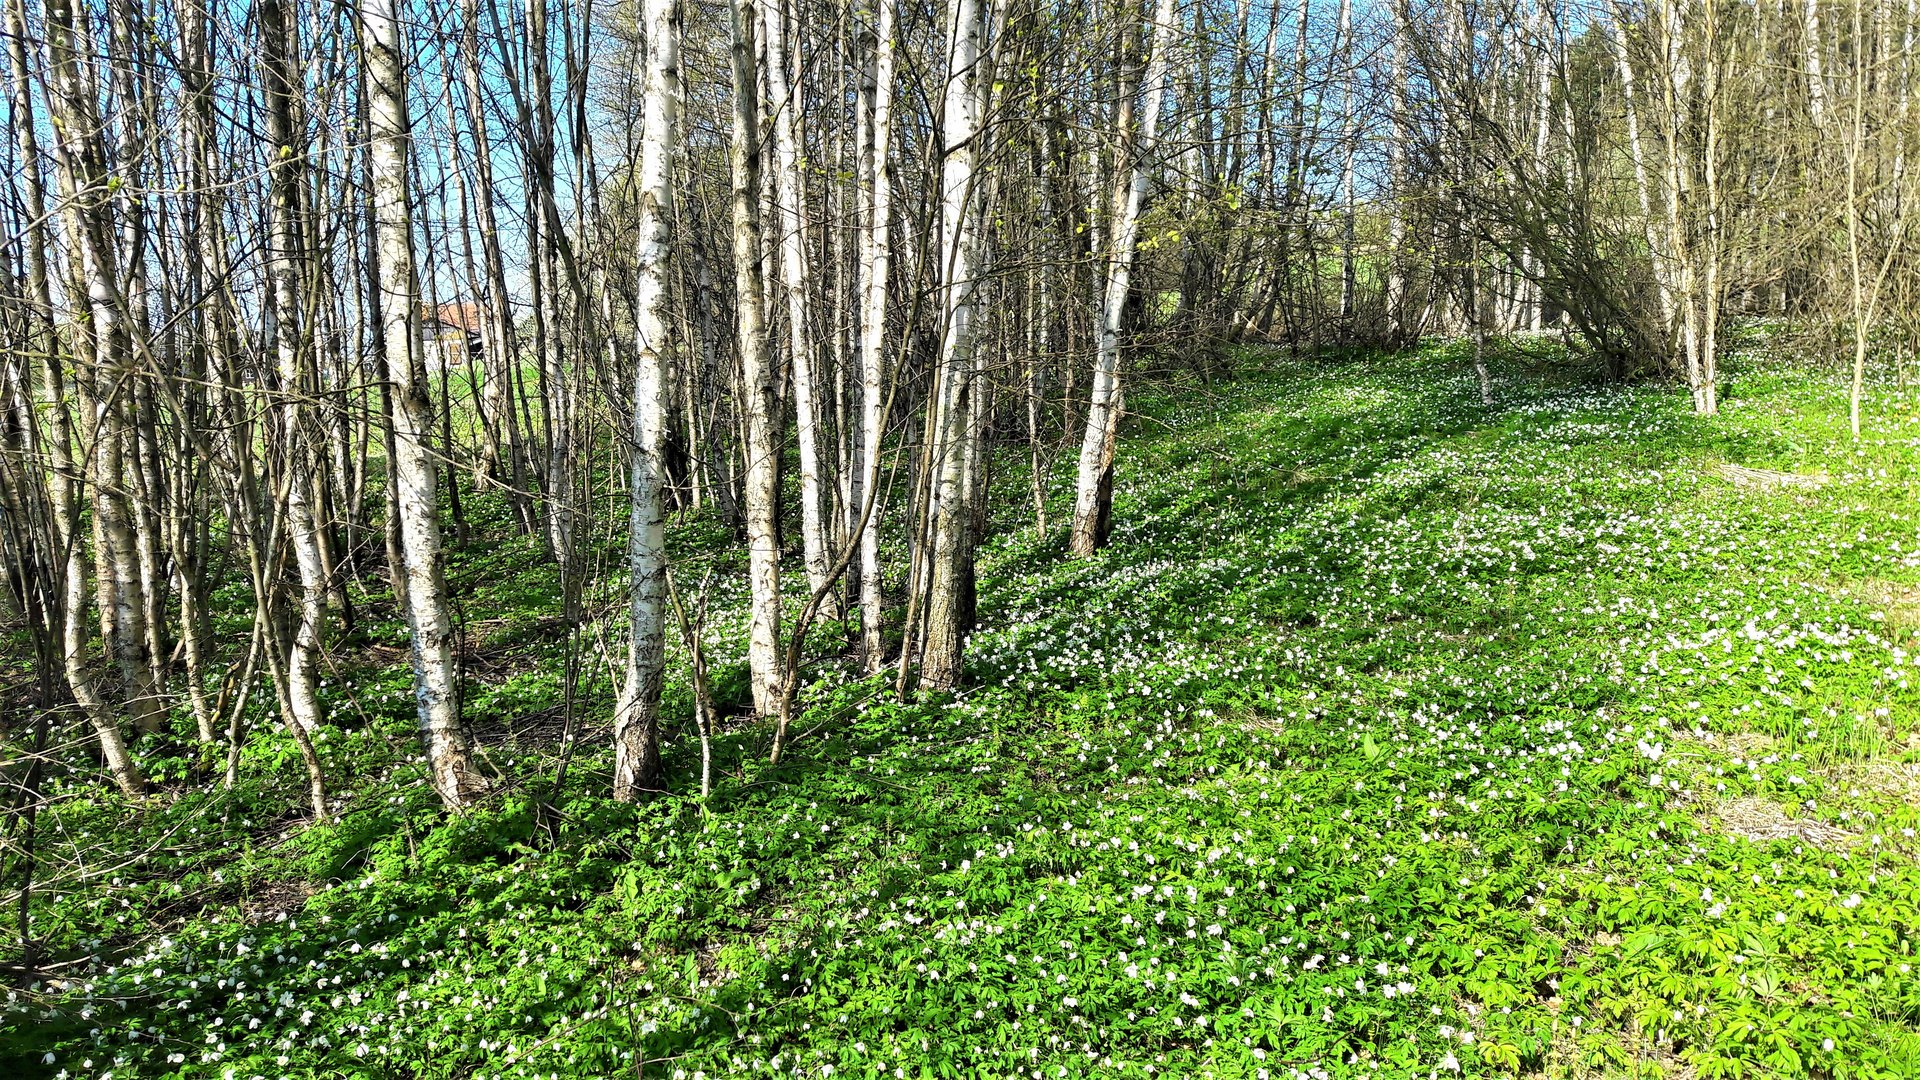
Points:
(1003, 538)
(1394, 735)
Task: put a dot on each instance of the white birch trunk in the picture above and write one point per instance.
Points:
(1396, 179)
(789, 196)
(1711, 247)
(1349, 283)
(1540, 56)
(429, 622)
(285, 179)
(1814, 53)
(947, 564)
(875, 255)
(762, 463)
(636, 730)
(1093, 486)
(65, 479)
(1636, 150)
(1905, 72)
(101, 342)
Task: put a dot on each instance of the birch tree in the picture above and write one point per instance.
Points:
(949, 567)
(637, 715)
(66, 480)
(761, 496)
(1093, 487)
(876, 114)
(794, 248)
(383, 46)
(287, 180)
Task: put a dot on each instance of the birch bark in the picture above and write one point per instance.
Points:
(66, 477)
(875, 264)
(761, 494)
(285, 133)
(796, 279)
(429, 621)
(637, 716)
(1093, 490)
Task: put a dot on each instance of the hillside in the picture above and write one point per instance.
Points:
(1393, 735)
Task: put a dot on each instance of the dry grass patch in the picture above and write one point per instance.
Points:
(1626, 1054)
(1888, 782)
(1746, 744)
(1897, 602)
(276, 899)
(1766, 479)
(1759, 820)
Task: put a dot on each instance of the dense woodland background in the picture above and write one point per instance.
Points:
(304, 303)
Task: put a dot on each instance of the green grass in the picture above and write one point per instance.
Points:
(1394, 735)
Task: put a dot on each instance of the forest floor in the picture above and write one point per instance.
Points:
(1394, 736)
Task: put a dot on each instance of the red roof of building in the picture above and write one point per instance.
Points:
(466, 317)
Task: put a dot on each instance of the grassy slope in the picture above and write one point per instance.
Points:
(1392, 735)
